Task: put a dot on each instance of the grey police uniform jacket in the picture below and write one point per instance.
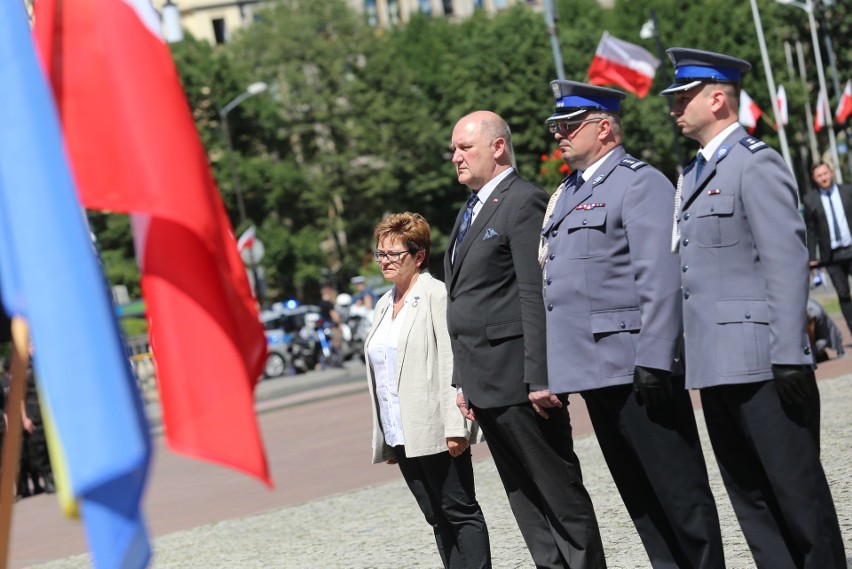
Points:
(744, 266)
(611, 284)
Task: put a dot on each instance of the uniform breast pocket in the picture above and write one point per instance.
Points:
(586, 234)
(715, 221)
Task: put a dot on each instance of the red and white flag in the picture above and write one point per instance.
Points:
(821, 111)
(247, 238)
(629, 66)
(844, 107)
(135, 149)
(749, 112)
(781, 99)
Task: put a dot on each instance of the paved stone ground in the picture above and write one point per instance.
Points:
(380, 527)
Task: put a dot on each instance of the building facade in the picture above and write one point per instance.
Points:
(215, 20)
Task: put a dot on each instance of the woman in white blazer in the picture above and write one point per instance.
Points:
(416, 423)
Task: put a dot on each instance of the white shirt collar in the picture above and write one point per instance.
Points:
(590, 171)
(709, 150)
(486, 190)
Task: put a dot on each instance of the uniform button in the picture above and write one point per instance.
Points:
(550, 308)
(684, 268)
(585, 222)
(807, 350)
(455, 336)
(748, 315)
(686, 216)
(552, 256)
(685, 294)
(712, 208)
(685, 242)
(553, 233)
(549, 280)
(622, 325)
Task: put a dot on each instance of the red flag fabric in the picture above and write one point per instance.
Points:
(781, 98)
(749, 112)
(844, 107)
(821, 110)
(629, 66)
(134, 148)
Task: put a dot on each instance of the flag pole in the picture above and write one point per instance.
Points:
(770, 81)
(661, 55)
(550, 18)
(12, 442)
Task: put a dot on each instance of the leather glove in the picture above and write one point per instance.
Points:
(792, 382)
(654, 386)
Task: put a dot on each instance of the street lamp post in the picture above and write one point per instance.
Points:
(251, 90)
(807, 6)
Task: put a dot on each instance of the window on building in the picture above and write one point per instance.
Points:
(393, 11)
(219, 31)
(448, 7)
(371, 13)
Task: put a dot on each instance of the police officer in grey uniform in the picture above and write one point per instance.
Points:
(613, 311)
(744, 273)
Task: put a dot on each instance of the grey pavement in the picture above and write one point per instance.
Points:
(381, 527)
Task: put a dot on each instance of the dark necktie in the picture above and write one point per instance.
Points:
(837, 238)
(699, 165)
(578, 180)
(466, 218)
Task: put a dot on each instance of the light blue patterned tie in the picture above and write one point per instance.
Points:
(466, 218)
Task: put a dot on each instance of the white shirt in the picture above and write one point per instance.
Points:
(590, 171)
(383, 359)
(831, 198)
(709, 150)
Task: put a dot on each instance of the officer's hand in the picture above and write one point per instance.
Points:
(462, 405)
(654, 386)
(792, 382)
(542, 400)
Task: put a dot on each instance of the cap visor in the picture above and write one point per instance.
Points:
(565, 115)
(680, 87)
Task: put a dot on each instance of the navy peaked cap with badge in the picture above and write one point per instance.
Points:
(695, 66)
(574, 98)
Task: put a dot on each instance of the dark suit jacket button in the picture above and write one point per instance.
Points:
(452, 299)
(686, 216)
(455, 336)
(550, 308)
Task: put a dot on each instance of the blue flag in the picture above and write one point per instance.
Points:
(50, 276)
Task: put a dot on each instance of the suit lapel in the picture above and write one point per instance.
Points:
(692, 186)
(476, 229)
(588, 188)
(415, 295)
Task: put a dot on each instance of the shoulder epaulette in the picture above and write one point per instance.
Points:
(753, 144)
(632, 163)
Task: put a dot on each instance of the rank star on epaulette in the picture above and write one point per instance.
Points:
(632, 163)
(588, 206)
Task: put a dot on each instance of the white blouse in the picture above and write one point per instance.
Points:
(382, 353)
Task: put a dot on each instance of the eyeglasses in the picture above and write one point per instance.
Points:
(569, 128)
(392, 256)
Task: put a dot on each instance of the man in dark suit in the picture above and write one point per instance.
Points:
(827, 216)
(495, 317)
(614, 332)
(744, 281)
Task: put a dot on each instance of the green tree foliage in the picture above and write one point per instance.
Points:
(357, 122)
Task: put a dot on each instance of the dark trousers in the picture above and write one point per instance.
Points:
(657, 465)
(768, 453)
(444, 490)
(839, 270)
(541, 474)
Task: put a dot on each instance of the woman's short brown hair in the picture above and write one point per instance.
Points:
(410, 229)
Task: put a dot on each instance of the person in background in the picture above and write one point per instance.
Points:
(333, 320)
(496, 321)
(35, 466)
(827, 212)
(363, 296)
(614, 331)
(416, 424)
(823, 333)
(744, 284)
